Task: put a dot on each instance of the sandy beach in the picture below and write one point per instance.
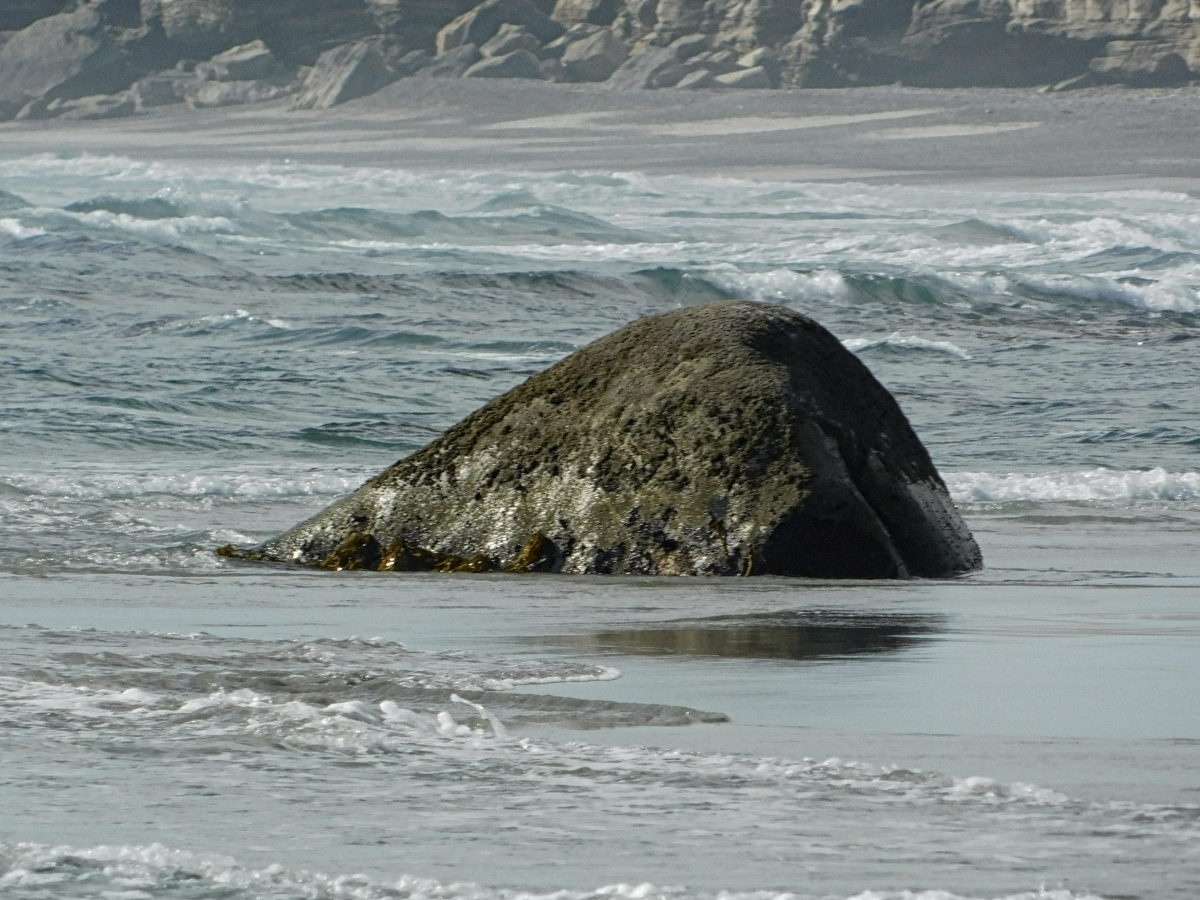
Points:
(1099, 139)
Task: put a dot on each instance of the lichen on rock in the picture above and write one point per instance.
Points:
(734, 438)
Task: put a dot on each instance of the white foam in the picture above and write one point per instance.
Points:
(989, 788)
(1040, 894)
(905, 342)
(1111, 486)
(81, 702)
(15, 229)
(98, 484)
(781, 285)
(596, 673)
(1171, 292)
(832, 227)
(119, 871)
(168, 231)
(497, 729)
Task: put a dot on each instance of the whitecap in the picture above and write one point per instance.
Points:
(905, 342)
(15, 229)
(115, 870)
(781, 285)
(169, 231)
(108, 485)
(1112, 486)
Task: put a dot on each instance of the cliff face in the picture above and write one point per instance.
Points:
(90, 50)
(56, 52)
(1033, 41)
(296, 30)
(416, 22)
(828, 43)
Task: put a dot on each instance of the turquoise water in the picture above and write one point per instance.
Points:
(194, 354)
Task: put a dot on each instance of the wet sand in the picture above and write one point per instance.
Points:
(1095, 139)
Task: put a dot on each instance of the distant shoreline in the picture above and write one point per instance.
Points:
(1096, 139)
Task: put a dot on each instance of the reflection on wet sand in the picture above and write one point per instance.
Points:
(795, 634)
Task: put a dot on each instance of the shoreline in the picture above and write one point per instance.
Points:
(1088, 140)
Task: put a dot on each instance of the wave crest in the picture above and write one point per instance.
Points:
(1110, 486)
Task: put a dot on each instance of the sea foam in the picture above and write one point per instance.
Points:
(136, 872)
(897, 340)
(1107, 486)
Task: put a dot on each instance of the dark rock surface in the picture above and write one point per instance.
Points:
(732, 438)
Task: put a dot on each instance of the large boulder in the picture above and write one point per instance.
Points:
(345, 73)
(510, 39)
(212, 94)
(161, 90)
(731, 438)
(518, 64)
(72, 55)
(104, 106)
(692, 81)
(756, 77)
(248, 62)
(452, 63)
(414, 24)
(595, 58)
(643, 70)
(594, 12)
(480, 24)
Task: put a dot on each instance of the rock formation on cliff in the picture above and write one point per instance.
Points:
(56, 52)
(726, 439)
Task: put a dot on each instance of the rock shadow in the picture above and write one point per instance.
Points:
(791, 635)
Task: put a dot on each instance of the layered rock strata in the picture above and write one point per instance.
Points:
(55, 52)
(734, 438)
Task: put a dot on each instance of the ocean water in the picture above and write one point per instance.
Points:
(198, 353)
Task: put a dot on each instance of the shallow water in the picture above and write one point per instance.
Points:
(199, 353)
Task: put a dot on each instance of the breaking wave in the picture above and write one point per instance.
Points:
(1094, 486)
(133, 872)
